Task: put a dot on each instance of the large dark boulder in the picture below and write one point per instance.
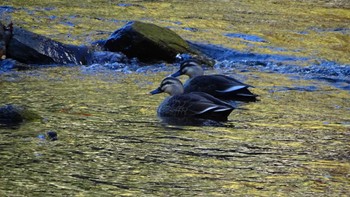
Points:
(30, 48)
(147, 42)
(14, 115)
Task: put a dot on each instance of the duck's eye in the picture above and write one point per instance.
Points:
(166, 83)
(167, 86)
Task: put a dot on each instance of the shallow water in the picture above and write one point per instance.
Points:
(315, 28)
(110, 141)
(294, 142)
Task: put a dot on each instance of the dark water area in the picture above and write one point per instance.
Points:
(332, 72)
(5, 8)
(343, 30)
(247, 37)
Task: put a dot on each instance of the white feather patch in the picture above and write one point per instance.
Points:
(222, 109)
(207, 109)
(232, 89)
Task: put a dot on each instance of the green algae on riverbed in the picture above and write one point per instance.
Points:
(313, 28)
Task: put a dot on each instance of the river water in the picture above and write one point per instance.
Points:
(294, 142)
(110, 141)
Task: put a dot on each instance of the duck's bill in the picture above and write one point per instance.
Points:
(156, 91)
(178, 73)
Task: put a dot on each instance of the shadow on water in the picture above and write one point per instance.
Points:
(189, 122)
(247, 37)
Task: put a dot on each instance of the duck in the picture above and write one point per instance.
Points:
(194, 105)
(220, 86)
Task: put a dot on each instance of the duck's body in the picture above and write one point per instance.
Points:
(197, 105)
(220, 86)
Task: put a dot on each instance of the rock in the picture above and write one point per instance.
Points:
(102, 57)
(52, 135)
(203, 60)
(30, 48)
(5, 36)
(14, 115)
(2, 44)
(10, 64)
(147, 42)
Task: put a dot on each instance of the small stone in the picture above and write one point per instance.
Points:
(52, 135)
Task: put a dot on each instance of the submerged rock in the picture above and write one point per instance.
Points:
(14, 115)
(9, 64)
(102, 57)
(52, 135)
(147, 42)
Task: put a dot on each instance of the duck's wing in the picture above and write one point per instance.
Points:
(222, 87)
(230, 82)
(213, 84)
(202, 105)
(213, 100)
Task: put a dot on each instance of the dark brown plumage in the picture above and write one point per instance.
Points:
(192, 105)
(220, 86)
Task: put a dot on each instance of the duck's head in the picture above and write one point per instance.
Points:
(191, 68)
(170, 85)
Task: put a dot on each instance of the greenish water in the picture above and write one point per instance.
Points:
(317, 28)
(111, 142)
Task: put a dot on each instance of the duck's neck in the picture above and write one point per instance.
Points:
(195, 72)
(176, 90)
(195, 75)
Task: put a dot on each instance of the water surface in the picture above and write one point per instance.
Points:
(110, 141)
(294, 142)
